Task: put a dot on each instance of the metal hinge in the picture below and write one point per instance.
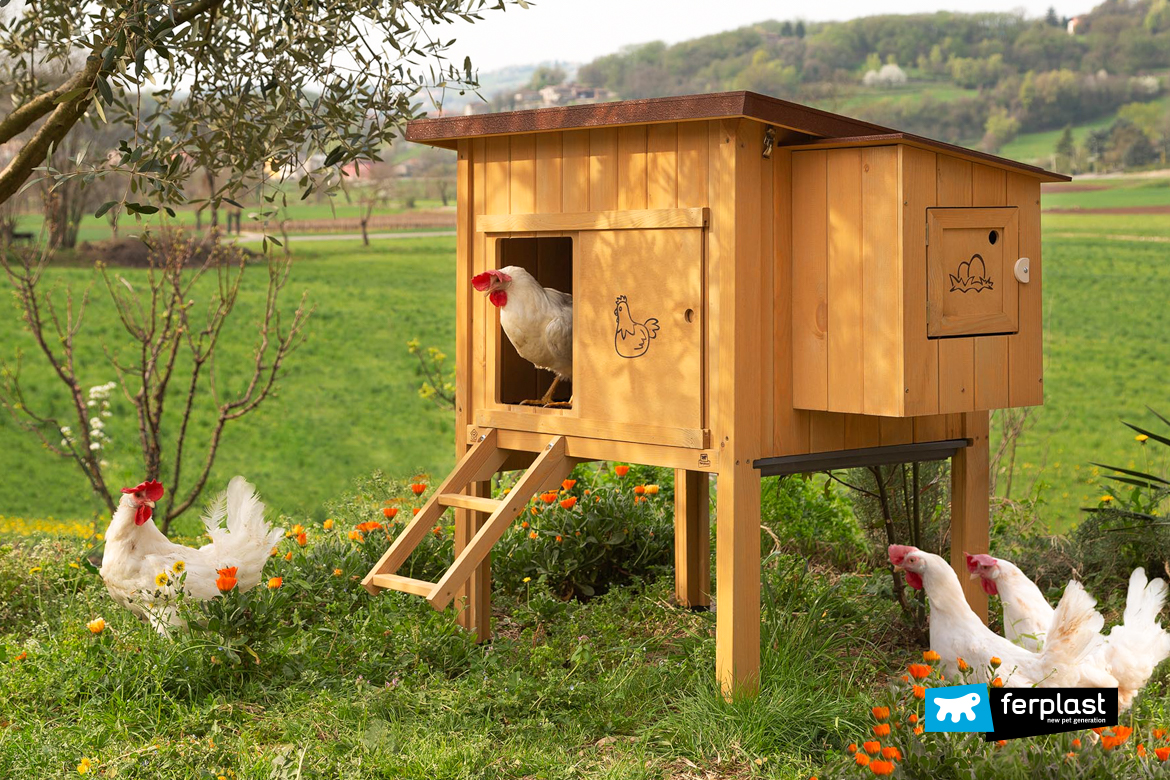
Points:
(769, 142)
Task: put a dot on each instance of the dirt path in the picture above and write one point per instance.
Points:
(249, 237)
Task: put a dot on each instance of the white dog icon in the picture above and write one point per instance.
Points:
(962, 705)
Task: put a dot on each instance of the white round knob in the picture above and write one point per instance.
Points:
(1023, 270)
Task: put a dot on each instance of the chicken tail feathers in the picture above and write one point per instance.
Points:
(1076, 625)
(1144, 600)
(651, 326)
(247, 539)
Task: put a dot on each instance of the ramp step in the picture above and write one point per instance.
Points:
(477, 503)
(404, 584)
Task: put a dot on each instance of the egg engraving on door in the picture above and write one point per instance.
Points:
(971, 276)
(633, 338)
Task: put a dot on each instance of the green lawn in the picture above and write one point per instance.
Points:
(1039, 147)
(1116, 193)
(347, 404)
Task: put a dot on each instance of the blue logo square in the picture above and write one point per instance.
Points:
(958, 708)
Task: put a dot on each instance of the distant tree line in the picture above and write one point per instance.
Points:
(992, 74)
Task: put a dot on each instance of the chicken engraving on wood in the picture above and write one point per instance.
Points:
(537, 320)
(632, 339)
(971, 276)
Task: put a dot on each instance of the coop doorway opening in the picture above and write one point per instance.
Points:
(550, 261)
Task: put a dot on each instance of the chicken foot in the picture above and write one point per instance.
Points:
(547, 399)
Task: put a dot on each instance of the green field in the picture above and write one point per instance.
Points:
(1038, 148)
(347, 405)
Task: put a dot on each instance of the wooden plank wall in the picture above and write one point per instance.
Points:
(649, 166)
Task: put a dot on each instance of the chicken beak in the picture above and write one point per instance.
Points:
(899, 567)
(148, 503)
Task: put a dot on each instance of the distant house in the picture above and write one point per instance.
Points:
(1073, 24)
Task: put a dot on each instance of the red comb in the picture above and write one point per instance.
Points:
(151, 489)
(898, 552)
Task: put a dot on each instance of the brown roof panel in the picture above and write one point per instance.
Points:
(811, 121)
(819, 127)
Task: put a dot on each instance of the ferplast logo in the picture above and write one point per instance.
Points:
(1021, 712)
(958, 708)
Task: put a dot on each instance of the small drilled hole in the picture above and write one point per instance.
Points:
(689, 315)
(993, 236)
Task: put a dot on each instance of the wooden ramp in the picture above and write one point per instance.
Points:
(479, 463)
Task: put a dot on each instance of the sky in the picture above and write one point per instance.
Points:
(580, 30)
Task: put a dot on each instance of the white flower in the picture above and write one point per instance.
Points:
(103, 463)
(66, 430)
(96, 422)
(94, 446)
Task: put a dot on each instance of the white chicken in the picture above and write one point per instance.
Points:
(957, 632)
(537, 320)
(1130, 652)
(140, 561)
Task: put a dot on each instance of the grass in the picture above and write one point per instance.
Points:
(347, 404)
(1039, 147)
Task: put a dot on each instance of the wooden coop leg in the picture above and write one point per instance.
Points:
(474, 598)
(692, 538)
(737, 579)
(970, 505)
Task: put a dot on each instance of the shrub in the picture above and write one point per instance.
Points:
(812, 518)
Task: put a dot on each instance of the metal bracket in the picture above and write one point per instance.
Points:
(769, 142)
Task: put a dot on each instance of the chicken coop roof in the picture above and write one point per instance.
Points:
(807, 126)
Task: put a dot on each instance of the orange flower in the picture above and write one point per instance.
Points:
(1001, 742)
(415, 511)
(437, 530)
(1076, 743)
(913, 717)
(532, 535)
(997, 683)
(919, 692)
(354, 536)
(1122, 733)
(419, 488)
(639, 499)
(880, 767)
(548, 497)
(96, 626)
(24, 656)
(227, 579)
(871, 747)
(1141, 750)
(1163, 753)
(862, 759)
(275, 583)
(652, 490)
(995, 662)
(919, 671)
(852, 747)
(302, 539)
(328, 524)
(1098, 730)
(534, 512)
(892, 753)
(297, 529)
(559, 539)
(1108, 742)
(963, 665)
(389, 512)
(1159, 733)
(524, 524)
(640, 490)
(882, 729)
(369, 525)
(568, 484)
(621, 471)
(918, 729)
(931, 657)
(288, 555)
(906, 678)
(337, 572)
(569, 502)
(881, 713)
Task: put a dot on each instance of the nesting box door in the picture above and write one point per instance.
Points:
(971, 286)
(638, 327)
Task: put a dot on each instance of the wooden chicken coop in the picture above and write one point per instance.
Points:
(825, 292)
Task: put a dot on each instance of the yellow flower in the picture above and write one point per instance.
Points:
(162, 580)
(179, 567)
(327, 525)
(74, 565)
(1105, 499)
(1141, 437)
(84, 767)
(96, 626)
(275, 583)
(527, 579)
(34, 570)
(337, 572)
(931, 656)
